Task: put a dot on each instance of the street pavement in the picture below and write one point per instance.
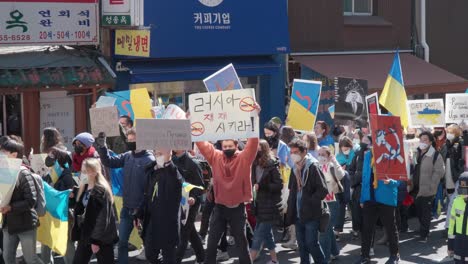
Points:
(411, 250)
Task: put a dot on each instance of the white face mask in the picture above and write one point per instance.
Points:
(423, 145)
(450, 136)
(160, 161)
(346, 152)
(322, 160)
(83, 179)
(319, 135)
(356, 141)
(296, 158)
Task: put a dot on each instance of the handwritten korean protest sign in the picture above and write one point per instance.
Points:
(428, 113)
(388, 146)
(164, 133)
(223, 115)
(456, 108)
(9, 170)
(223, 80)
(104, 119)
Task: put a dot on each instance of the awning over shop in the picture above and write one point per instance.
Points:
(419, 76)
(23, 68)
(149, 71)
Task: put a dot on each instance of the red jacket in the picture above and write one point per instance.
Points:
(231, 177)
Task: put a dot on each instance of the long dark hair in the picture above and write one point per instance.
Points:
(265, 154)
(51, 138)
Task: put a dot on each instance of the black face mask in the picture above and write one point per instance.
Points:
(364, 146)
(79, 149)
(131, 146)
(438, 133)
(410, 136)
(259, 154)
(272, 141)
(229, 152)
(50, 162)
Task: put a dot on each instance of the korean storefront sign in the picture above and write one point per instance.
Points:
(132, 43)
(122, 12)
(40, 22)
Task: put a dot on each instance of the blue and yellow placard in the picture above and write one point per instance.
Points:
(304, 104)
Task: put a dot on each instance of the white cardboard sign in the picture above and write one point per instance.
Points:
(163, 133)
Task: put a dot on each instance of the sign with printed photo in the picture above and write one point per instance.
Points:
(350, 97)
(164, 133)
(456, 108)
(42, 22)
(388, 147)
(223, 80)
(224, 115)
(428, 113)
(132, 42)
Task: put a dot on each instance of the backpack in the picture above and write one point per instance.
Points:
(40, 195)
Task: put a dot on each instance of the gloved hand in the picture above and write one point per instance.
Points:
(101, 140)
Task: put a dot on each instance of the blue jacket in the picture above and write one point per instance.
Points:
(134, 172)
(327, 141)
(384, 193)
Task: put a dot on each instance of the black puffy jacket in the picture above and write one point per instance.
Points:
(266, 208)
(99, 224)
(23, 215)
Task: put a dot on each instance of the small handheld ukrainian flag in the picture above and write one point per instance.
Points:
(393, 96)
(53, 230)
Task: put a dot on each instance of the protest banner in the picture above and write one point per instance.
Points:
(224, 115)
(305, 99)
(388, 147)
(105, 101)
(428, 113)
(122, 101)
(349, 100)
(164, 133)
(9, 170)
(174, 112)
(331, 110)
(372, 103)
(104, 120)
(38, 164)
(456, 108)
(158, 111)
(223, 80)
(141, 103)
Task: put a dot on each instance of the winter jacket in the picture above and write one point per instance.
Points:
(313, 192)
(134, 166)
(231, 176)
(331, 171)
(430, 173)
(454, 151)
(98, 223)
(191, 172)
(355, 172)
(160, 210)
(268, 197)
(23, 216)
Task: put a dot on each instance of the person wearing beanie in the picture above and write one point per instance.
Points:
(83, 149)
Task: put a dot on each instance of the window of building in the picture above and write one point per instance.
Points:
(357, 7)
(10, 115)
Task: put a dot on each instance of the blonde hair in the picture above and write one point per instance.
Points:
(455, 129)
(94, 165)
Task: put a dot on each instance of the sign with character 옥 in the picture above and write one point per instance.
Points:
(388, 147)
(224, 115)
(164, 133)
(456, 108)
(428, 113)
(104, 119)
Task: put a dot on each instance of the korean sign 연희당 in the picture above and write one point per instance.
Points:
(223, 115)
(41, 22)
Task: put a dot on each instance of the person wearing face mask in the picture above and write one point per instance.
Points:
(192, 173)
(267, 185)
(232, 187)
(344, 157)
(312, 144)
(159, 211)
(307, 190)
(134, 163)
(20, 219)
(118, 143)
(333, 173)
(429, 171)
(458, 231)
(321, 130)
(440, 138)
(277, 146)
(82, 149)
(357, 138)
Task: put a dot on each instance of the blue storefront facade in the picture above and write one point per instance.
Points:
(190, 40)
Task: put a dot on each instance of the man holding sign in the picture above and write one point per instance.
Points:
(232, 189)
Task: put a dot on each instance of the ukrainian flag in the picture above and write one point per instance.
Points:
(134, 103)
(185, 207)
(304, 104)
(56, 172)
(53, 229)
(393, 96)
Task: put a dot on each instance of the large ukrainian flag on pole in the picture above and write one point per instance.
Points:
(53, 229)
(393, 96)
